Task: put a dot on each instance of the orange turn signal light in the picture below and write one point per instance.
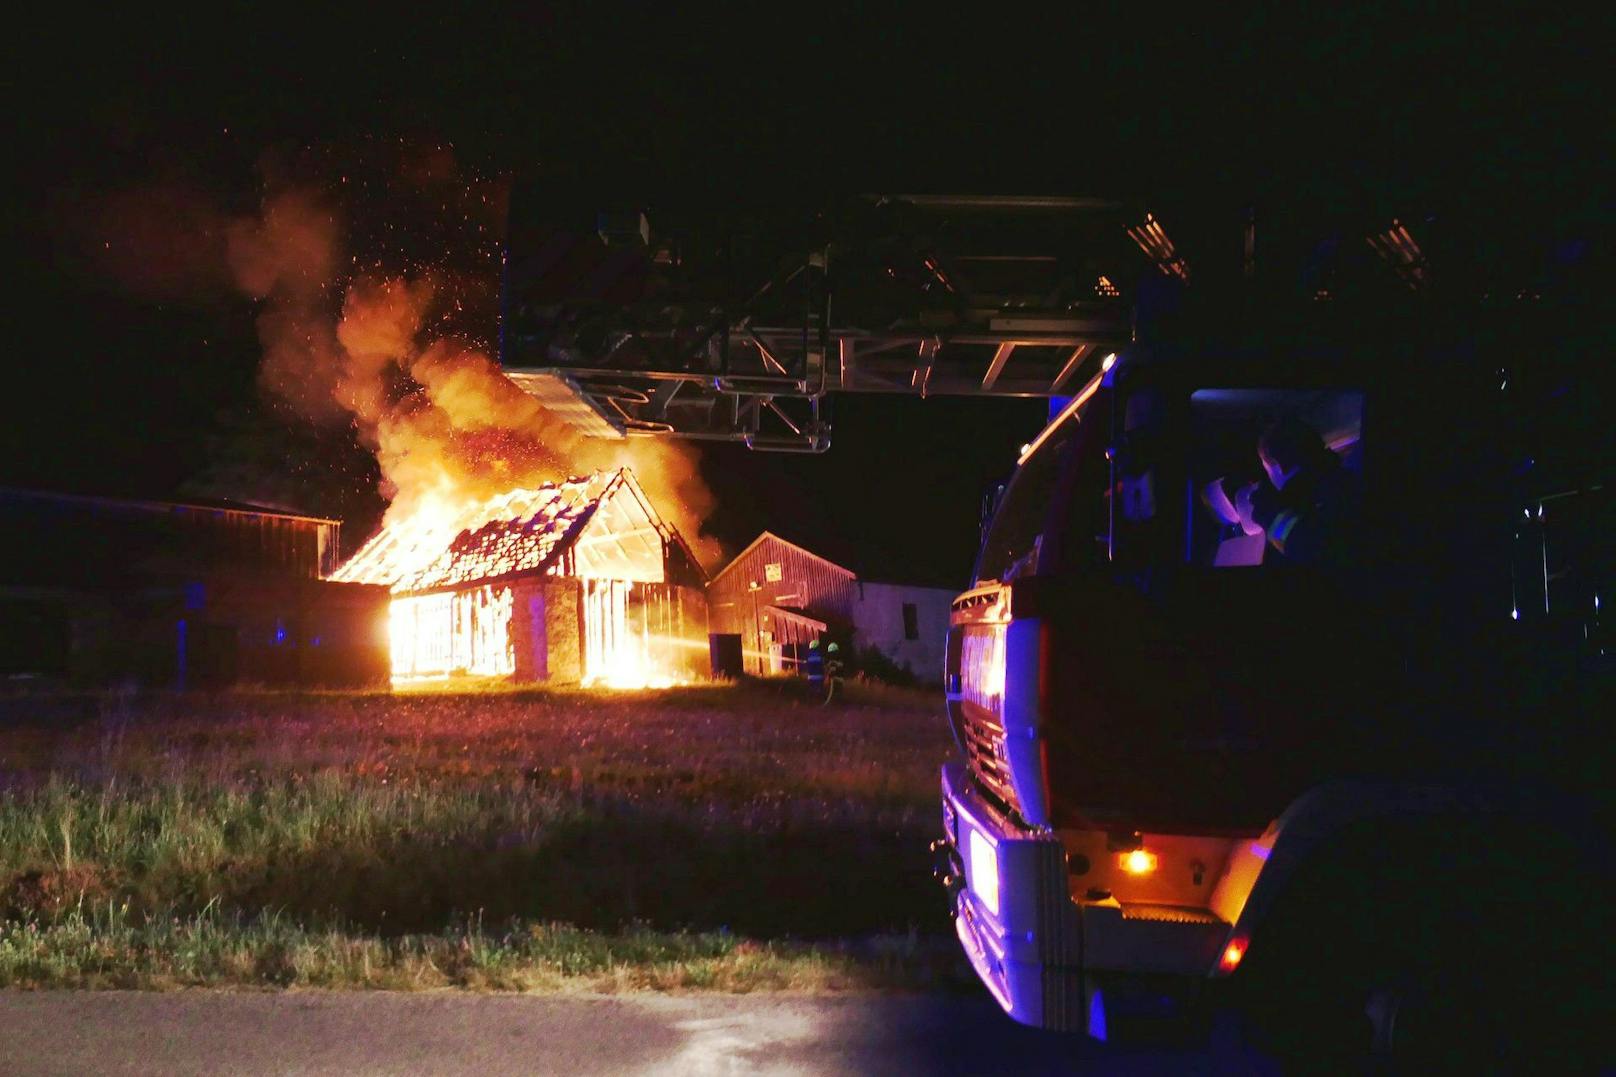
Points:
(1138, 862)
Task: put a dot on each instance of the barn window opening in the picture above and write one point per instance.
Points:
(911, 621)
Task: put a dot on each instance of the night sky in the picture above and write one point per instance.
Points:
(124, 390)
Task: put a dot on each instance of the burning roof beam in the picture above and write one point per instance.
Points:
(619, 536)
(629, 535)
(517, 531)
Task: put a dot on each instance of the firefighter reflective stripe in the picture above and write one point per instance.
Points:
(1280, 531)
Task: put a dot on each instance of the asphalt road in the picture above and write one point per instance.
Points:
(205, 1032)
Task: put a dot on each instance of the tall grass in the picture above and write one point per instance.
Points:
(723, 838)
(105, 947)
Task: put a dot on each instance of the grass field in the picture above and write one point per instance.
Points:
(719, 837)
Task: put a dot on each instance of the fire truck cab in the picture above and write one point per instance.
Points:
(1342, 760)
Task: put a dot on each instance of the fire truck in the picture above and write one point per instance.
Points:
(1343, 772)
(1342, 777)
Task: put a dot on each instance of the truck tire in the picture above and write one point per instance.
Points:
(1430, 949)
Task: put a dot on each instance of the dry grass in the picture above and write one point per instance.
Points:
(725, 838)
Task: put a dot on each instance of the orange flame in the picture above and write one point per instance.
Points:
(452, 614)
(459, 447)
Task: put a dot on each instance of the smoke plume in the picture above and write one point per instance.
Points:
(374, 268)
(445, 424)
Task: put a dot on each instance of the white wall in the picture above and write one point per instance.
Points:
(878, 621)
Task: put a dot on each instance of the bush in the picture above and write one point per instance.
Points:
(873, 664)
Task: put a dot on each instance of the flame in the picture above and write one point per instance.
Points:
(445, 540)
(464, 632)
(630, 667)
(380, 339)
(353, 337)
(452, 614)
(618, 651)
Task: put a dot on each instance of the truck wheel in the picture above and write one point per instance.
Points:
(1429, 1026)
(1466, 964)
(1331, 1006)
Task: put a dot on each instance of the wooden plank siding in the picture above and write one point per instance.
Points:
(67, 539)
(824, 590)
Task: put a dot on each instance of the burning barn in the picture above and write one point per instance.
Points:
(579, 581)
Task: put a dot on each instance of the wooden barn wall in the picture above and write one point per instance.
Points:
(805, 583)
(220, 630)
(61, 540)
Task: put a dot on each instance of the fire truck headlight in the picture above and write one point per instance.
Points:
(983, 866)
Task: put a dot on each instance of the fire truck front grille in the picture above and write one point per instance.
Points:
(984, 748)
(1168, 914)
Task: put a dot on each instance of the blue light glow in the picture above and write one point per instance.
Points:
(982, 869)
(1022, 677)
(1097, 1016)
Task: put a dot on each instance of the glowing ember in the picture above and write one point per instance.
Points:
(442, 542)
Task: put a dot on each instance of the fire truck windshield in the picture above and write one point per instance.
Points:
(1013, 540)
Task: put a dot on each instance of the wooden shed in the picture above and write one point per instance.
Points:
(97, 590)
(777, 597)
